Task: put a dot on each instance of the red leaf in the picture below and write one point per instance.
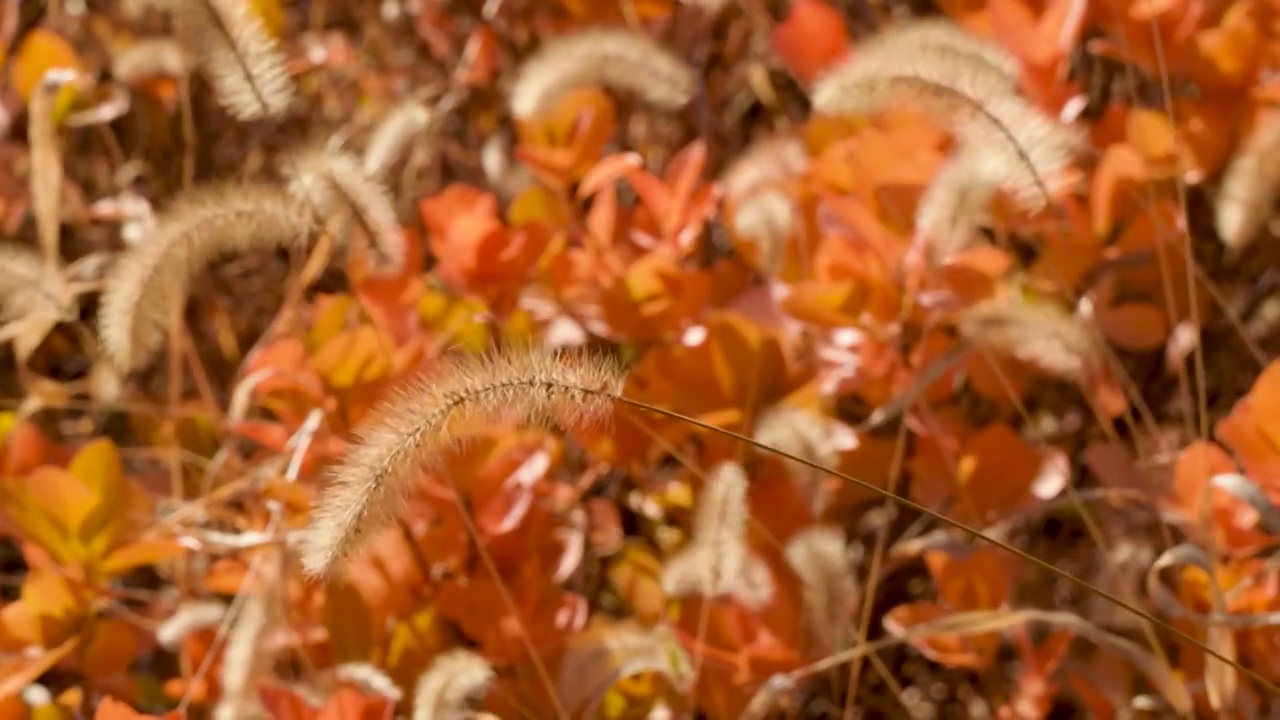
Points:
(811, 39)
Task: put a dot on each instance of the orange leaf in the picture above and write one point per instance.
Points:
(24, 447)
(810, 39)
(109, 649)
(950, 649)
(1252, 429)
(113, 709)
(483, 52)
(350, 704)
(1119, 182)
(17, 673)
(993, 475)
(561, 145)
(976, 581)
(1227, 518)
(40, 52)
(634, 575)
(1135, 326)
(47, 612)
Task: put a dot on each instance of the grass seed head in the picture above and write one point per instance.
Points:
(421, 423)
(197, 228)
(614, 58)
(241, 59)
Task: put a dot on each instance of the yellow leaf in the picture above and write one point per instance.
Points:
(271, 13)
(46, 506)
(537, 204)
(46, 613)
(413, 644)
(634, 576)
(353, 357)
(97, 465)
(329, 320)
(143, 552)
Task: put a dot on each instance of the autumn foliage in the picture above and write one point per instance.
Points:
(639, 358)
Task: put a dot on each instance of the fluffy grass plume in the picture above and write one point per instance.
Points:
(717, 561)
(333, 182)
(426, 420)
(756, 187)
(238, 55)
(946, 35)
(150, 58)
(1250, 185)
(197, 228)
(819, 555)
(1018, 144)
(369, 678)
(393, 135)
(956, 204)
(807, 434)
(454, 679)
(1038, 333)
(611, 57)
(30, 288)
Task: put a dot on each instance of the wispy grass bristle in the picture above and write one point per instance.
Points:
(421, 423)
(956, 204)
(717, 561)
(193, 231)
(393, 135)
(611, 57)
(243, 63)
(1041, 334)
(454, 680)
(819, 555)
(806, 434)
(30, 288)
(368, 678)
(333, 183)
(946, 35)
(1015, 144)
(1250, 186)
(756, 188)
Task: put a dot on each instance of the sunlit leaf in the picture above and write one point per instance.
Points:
(811, 38)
